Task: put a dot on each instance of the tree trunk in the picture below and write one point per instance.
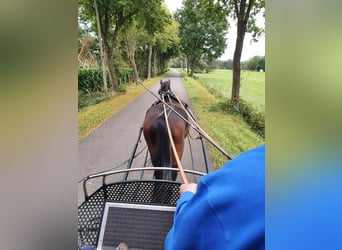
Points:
(154, 63)
(102, 54)
(237, 68)
(112, 77)
(241, 30)
(134, 66)
(242, 15)
(149, 68)
(192, 67)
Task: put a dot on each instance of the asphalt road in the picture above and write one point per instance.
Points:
(113, 141)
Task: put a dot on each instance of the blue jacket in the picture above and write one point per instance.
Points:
(228, 209)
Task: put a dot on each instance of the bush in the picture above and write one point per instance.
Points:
(125, 75)
(88, 99)
(253, 118)
(90, 86)
(90, 80)
(122, 88)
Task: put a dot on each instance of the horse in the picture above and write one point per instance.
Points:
(156, 134)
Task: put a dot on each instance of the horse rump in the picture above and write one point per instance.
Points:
(160, 148)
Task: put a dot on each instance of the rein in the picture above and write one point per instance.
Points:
(197, 129)
(180, 167)
(204, 133)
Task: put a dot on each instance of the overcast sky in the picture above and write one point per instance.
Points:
(249, 49)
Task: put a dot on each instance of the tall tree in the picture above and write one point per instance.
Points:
(166, 46)
(154, 25)
(112, 16)
(103, 56)
(244, 12)
(203, 26)
(130, 38)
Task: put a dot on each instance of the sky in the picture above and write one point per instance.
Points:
(249, 49)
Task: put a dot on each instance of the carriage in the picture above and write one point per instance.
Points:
(134, 203)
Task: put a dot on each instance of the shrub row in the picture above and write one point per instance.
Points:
(253, 117)
(87, 99)
(90, 80)
(90, 85)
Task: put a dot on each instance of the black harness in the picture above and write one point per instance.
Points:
(171, 96)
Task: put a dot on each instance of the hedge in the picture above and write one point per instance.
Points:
(90, 80)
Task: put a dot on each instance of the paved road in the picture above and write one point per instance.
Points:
(112, 142)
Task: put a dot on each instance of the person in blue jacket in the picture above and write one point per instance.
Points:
(226, 210)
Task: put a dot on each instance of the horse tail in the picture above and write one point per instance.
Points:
(161, 155)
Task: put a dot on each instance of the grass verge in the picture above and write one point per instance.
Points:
(230, 131)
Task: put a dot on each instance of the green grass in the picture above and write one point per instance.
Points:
(252, 87)
(229, 131)
(92, 116)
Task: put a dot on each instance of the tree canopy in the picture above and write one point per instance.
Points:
(117, 21)
(255, 63)
(202, 31)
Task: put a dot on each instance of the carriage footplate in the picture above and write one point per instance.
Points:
(139, 226)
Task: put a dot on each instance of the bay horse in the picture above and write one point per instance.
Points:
(156, 134)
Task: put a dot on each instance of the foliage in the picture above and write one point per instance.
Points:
(177, 62)
(205, 65)
(167, 44)
(130, 29)
(88, 45)
(228, 64)
(89, 80)
(88, 51)
(255, 63)
(247, 11)
(122, 88)
(125, 75)
(202, 30)
(88, 99)
(252, 117)
(114, 16)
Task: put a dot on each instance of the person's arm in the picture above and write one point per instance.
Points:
(222, 212)
(191, 187)
(187, 191)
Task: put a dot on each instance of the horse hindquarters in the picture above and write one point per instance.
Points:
(161, 150)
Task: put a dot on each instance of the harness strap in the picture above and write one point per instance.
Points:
(209, 139)
(168, 108)
(180, 167)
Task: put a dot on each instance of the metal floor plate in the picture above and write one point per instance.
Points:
(139, 226)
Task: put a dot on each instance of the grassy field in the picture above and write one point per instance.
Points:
(252, 87)
(230, 131)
